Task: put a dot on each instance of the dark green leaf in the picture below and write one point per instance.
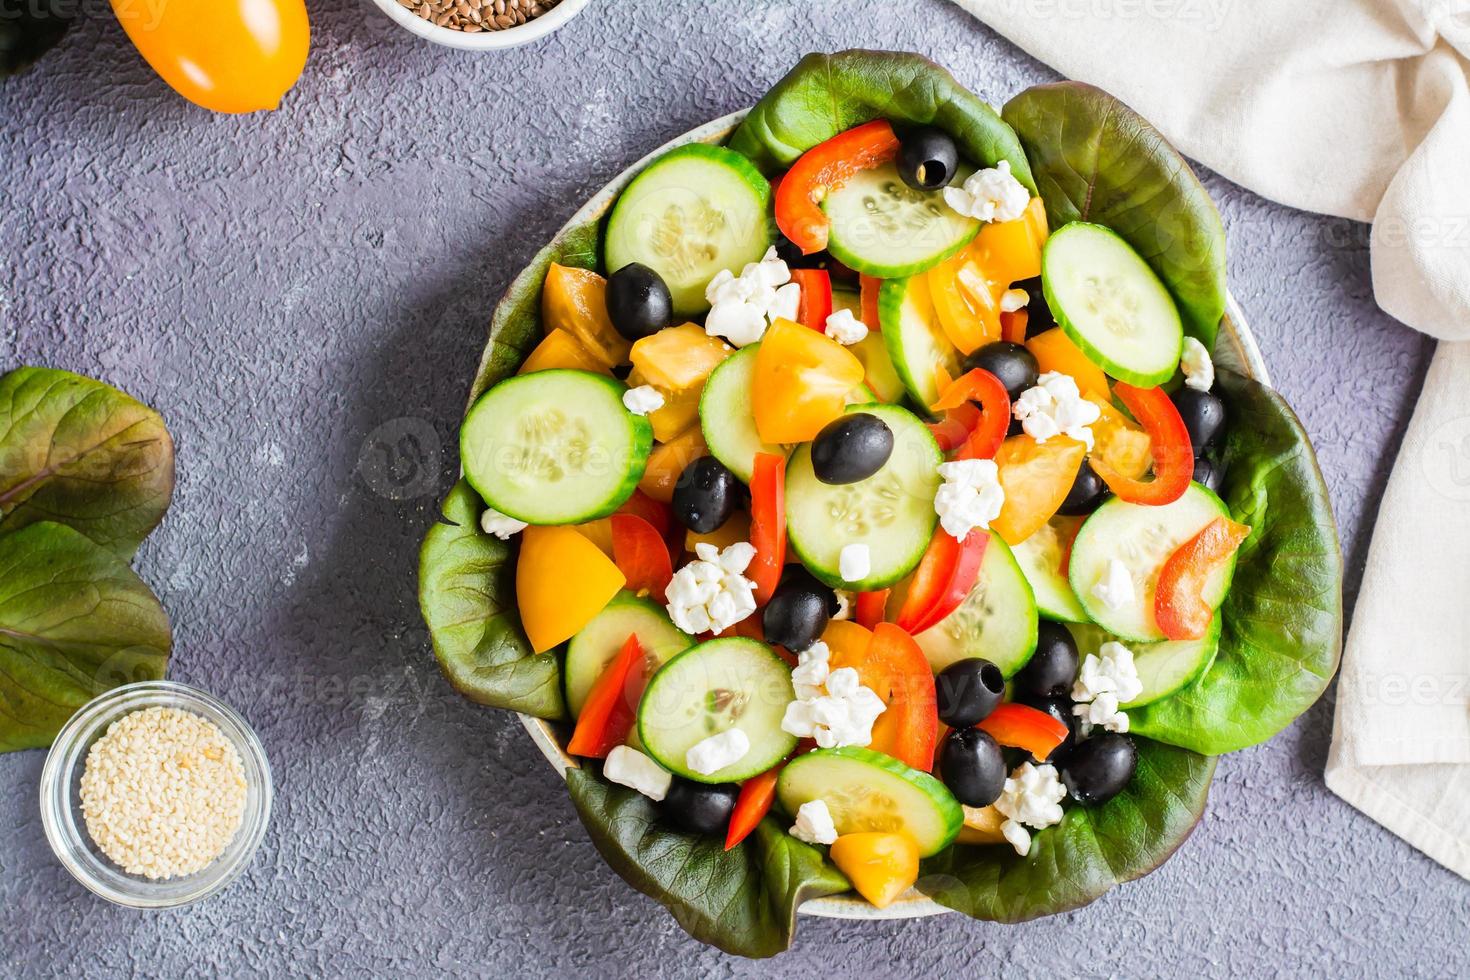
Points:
(744, 900)
(1090, 851)
(467, 595)
(1097, 160)
(1281, 625)
(79, 452)
(27, 31)
(826, 94)
(74, 621)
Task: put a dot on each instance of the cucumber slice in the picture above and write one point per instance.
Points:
(1142, 538)
(1040, 558)
(885, 228)
(916, 343)
(554, 447)
(1163, 668)
(692, 212)
(595, 646)
(727, 417)
(879, 374)
(710, 688)
(1111, 304)
(996, 621)
(892, 511)
(869, 791)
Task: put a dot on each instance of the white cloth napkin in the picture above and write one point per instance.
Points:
(1356, 108)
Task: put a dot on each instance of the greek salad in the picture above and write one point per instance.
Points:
(859, 497)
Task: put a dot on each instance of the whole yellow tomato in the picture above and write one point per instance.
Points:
(225, 55)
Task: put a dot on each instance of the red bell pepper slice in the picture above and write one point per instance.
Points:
(823, 169)
(871, 607)
(756, 796)
(988, 430)
(945, 576)
(1023, 727)
(608, 714)
(767, 524)
(868, 287)
(655, 512)
(955, 427)
(1169, 441)
(641, 554)
(1179, 603)
(816, 298)
(1013, 326)
(895, 667)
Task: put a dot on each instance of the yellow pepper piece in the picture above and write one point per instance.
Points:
(562, 581)
(1036, 479)
(559, 349)
(575, 300)
(802, 382)
(667, 462)
(1055, 351)
(880, 866)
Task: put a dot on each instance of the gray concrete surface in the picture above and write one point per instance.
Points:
(304, 294)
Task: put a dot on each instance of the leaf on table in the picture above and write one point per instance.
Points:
(743, 900)
(1281, 624)
(75, 621)
(81, 453)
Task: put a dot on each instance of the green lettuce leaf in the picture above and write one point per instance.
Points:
(826, 94)
(75, 621)
(1097, 160)
(467, 595)
(84, 454)
(1090, 851)
(743, 900)
(1281, 624)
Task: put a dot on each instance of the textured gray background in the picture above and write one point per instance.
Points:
(304, 295)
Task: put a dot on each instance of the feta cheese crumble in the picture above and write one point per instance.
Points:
(741, 307)
(991, 194)
(643, 399)
(1106, 680)
(845, 328)
(709, 594)
(1055, 407)
(1115, 588)
(1014, 299)
(970, 496)
(500, 525)
(712, 754)
(1032, 798)
(854, 562)
(831, 706)
(814, 823)
(844, 604)
(1199, 370)
(628, 767)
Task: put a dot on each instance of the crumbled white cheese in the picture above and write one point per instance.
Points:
(643, 399)
(854, 562)
(844, 604)
(1199, 370)
(709, 594)
(741, 307)
(712, 754)
(970, 496)
(1102, 711)
(628, 767)
(831, 706)
(1014, 299)
(814, 823)
(1032, 798)
(809, 676)
(1055, 407)
(845, 328)
(500, 525)
(991, 194)
(1115, 588)
(1109, 671)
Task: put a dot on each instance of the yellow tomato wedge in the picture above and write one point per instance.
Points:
(880, 866)
(599, 532)
(562, 581)
(1119, 441)
(802, 380)
(559, 349)
(668, 460)
(575, 300)
(1009, 251)
(1035, 478)
(1055, 351)
(982, 825)
(679, 358)
(848, 641)
(733, 531)
(958, 316)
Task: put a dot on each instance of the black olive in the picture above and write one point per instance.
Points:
(851, 448)
(1209, 473)
(1038, 313)
(799, 610)
(638, 301)
(706, 495)
(1097, 769)
(1052, 668)
(968, 690)
(927, 158)
(973, 766)
(1086, 494)
(1060, 709)
(1015, 428)
(701, 808)
(1013, 364)
(1203, 414)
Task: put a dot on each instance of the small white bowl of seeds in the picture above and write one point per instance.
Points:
(481, 25)
(155, 795)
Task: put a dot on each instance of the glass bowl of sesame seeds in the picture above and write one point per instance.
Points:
(156, 795)
(481, 25)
